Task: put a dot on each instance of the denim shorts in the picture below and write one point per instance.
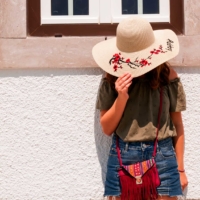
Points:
(132, 152)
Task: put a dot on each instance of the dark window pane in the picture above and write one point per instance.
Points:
(81, 7)
(151, 6)
(59, 7)
(129, 7)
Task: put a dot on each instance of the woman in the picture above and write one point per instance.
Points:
(130, 106)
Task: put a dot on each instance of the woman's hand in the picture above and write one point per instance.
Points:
(122, 84)
(183, 179)
(110, 118)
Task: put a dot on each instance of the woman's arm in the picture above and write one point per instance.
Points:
(179, 142)
(109, 119)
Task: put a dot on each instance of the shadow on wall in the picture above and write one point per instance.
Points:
(103, 143)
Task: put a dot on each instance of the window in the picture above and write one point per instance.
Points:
(69, 11)
(36, 28)
(102, 11)
(153, 10)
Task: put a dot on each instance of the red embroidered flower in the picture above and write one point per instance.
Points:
(128, 60)
(155, 51)
(116, 58)
(116, 55)
(144, 62)
(115, 67)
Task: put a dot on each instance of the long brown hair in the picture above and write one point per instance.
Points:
(157, 77)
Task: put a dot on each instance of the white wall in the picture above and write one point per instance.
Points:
(51, 144)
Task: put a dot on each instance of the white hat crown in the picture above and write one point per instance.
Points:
(134, 34)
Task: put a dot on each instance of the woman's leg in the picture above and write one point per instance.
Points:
(114, 198)
(166, 198)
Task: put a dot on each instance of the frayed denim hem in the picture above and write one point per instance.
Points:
(179, 197)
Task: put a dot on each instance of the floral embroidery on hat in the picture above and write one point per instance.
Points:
(169, 45)
(117, 60)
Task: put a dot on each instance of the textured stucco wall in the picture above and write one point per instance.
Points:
(51, 144)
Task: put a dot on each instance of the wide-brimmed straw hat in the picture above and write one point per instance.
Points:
(136, 49)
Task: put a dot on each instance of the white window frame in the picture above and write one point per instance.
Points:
(47, 18)
(101, 11)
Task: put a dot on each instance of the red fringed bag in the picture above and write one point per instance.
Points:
(139, 181)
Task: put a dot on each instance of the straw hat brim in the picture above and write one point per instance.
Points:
(116, 62)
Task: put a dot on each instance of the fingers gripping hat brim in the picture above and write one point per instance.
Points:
(116, 62)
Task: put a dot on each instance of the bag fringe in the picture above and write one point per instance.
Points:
(147, 190)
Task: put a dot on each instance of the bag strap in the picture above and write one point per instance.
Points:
(157, 130)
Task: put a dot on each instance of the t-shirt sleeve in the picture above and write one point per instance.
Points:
(177, 96)
(106, 95)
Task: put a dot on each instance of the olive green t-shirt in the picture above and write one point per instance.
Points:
(139, 120)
